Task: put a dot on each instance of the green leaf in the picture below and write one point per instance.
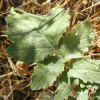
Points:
(97, 97)
(85, 34)
(35, 36)
(45, 74)
(78, 41)
(63, 91)
(83, 95)
(86, 69)
(97, 94)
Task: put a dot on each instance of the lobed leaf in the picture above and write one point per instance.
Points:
(35, 36)
(75, 43)
(45, 74)
(86, 69)
(63, 91)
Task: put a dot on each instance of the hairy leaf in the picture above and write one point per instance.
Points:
(45, 75)
(86, 69)
(63, 91)
(35, 36)
(77, 41)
